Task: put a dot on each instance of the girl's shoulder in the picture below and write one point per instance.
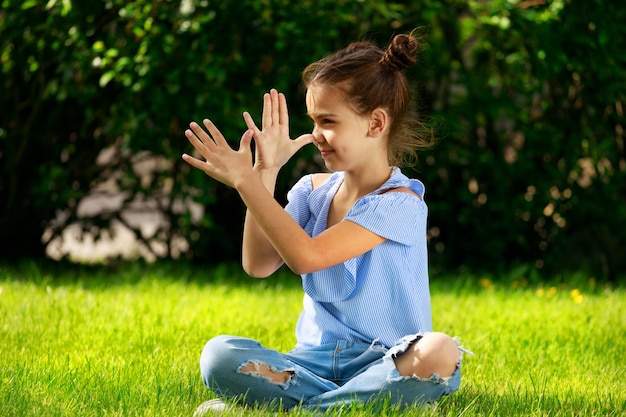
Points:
(319, 179)
(401, 190)
(400, 183)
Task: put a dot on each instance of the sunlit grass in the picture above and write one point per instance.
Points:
(539, 350)
(127, 342)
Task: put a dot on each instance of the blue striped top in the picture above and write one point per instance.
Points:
(381, 295)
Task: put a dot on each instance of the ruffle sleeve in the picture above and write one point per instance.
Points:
(396, 216)
(297, 200)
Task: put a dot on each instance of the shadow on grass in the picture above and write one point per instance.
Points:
(62, 273)
(513, 402)
(124, 273)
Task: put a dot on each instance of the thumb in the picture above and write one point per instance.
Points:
(303, 140)
(246, 140)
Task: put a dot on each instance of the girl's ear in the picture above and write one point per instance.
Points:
(378, 123)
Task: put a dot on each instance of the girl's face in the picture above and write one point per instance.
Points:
(341, 135)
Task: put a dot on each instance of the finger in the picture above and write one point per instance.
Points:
(245, 142)
(196, 163)
(283, 114)
(250, 123)
(218, 138)
(303, 140)
(266, 120)
(198, 136)
(275, 106)
(196, 142)
(200, 146)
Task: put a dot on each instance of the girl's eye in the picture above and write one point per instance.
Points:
(323, 122)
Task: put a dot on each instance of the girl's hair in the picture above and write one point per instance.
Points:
(370, 78)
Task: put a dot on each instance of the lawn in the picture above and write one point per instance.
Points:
(126, 341)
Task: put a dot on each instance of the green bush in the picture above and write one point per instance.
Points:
(532, 169)
(527, 98)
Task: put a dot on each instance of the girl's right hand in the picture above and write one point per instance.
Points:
(274, 147)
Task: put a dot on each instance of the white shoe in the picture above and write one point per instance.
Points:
(211, 406)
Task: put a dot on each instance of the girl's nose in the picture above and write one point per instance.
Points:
(317, 136)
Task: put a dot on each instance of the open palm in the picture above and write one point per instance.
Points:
(221, 162)
(274, 147)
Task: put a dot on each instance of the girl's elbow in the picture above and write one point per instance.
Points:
(303, 266)
(259, 269)
(299, 269)
(255, 271)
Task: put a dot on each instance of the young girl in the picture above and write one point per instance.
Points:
(357, 236)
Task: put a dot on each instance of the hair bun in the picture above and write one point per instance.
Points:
(400, 54)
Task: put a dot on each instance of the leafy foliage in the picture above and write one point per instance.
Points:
(528, 97)
(532, 96)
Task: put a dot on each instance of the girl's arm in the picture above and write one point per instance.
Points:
(259, 258)
(294, 246)
(274, 148)
(302, 253)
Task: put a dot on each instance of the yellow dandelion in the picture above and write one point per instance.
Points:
(486, 283)
(576, 296)
(540, 292)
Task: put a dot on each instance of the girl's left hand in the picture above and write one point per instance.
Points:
(221, 162)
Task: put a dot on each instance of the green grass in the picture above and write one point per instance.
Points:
(92, 342)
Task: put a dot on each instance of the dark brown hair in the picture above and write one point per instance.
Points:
(370, 78)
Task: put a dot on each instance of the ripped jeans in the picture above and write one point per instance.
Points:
(319, 377)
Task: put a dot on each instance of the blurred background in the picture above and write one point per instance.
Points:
(525, 98)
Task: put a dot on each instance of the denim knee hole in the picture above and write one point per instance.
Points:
(258, 371)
